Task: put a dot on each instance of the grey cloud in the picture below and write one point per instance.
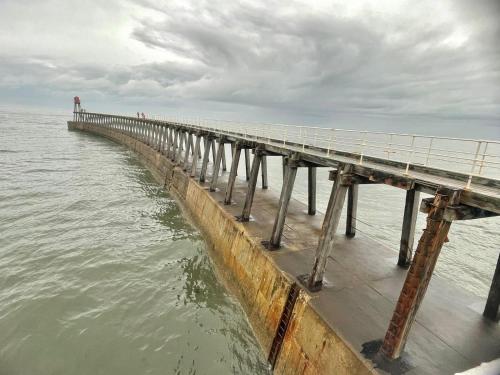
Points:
(295, 59)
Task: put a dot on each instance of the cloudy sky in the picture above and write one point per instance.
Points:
(349, 62)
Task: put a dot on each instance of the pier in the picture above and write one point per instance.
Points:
(386, 310)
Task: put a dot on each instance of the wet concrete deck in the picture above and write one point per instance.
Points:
(362, 285)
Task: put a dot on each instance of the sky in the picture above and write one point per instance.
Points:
(349, 63)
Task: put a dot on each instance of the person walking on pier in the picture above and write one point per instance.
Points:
(143, 116)
(138, 115)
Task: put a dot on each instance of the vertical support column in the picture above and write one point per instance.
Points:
(160, 138)
(408, 230)
(419, 274)
(191, 145)
(195, 155)
(283, 165)
(286, 194)
(179, 148)
(232, 173)
(311, 190)
(206, 155)
(352, 210)
(329, 228)
(247, 163)
(265, 184)
(164, 140)
(189, 142)
(174, 144)
(169, 142)
(224, 167)
(252, 183)
(218, 159)
(213, 150)
(491, 308)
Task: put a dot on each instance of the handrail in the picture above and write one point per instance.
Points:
(469, 157)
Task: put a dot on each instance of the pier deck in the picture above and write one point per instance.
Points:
(362, 285)
(353, 282)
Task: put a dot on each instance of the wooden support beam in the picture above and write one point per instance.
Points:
(218, 159)
(232, 173)
(196, 152)
(265, 184)
(311, 190)
(286, 194)
(493, 302)
(412, 204)
(174, 144)
(224, 166)
(164, 140)
(352, 210)
(329, 228)
(206, 155)
(247, 163)
(252, 183)
(419, 274)
(191, 145)
(213, 150)
(169, 142)
(180, 148)
(189, 142)
(283, 167)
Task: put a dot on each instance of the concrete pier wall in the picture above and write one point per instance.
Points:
(310, 345)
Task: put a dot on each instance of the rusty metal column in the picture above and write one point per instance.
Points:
(419, 274)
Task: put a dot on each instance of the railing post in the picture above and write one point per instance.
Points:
(411, 155)
(474, 162)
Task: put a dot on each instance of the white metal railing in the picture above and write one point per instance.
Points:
(471, 157)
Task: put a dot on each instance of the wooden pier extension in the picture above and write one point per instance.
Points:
(455, 196)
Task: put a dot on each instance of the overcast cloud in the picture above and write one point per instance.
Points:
(292, 60)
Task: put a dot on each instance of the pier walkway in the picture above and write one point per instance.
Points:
(370, 294)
